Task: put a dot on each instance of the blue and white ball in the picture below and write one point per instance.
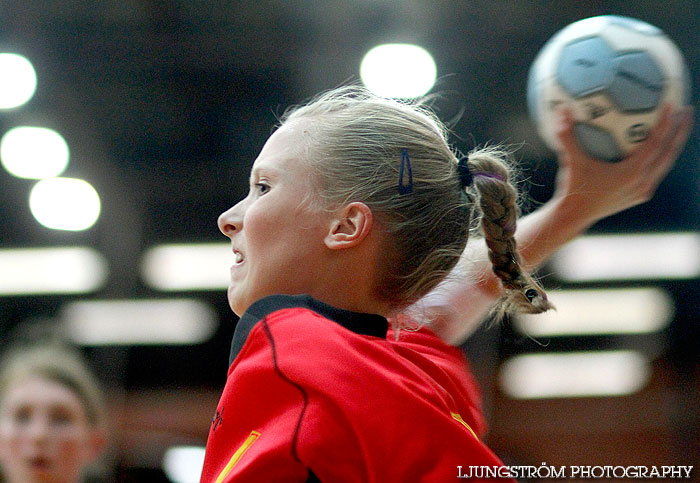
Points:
(615, 73)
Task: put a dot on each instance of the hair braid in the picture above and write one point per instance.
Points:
(497, 198)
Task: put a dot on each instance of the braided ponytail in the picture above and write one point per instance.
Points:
(497, 200)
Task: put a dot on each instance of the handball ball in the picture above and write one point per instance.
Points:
(615, 74)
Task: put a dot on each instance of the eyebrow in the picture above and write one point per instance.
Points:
(257, 169)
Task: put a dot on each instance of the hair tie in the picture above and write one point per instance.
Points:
(465, 174)
(405, 188)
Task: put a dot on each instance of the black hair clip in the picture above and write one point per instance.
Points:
(405, 188)
(465, 174)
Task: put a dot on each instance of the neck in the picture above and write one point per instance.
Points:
(355, 289)
(378, 308)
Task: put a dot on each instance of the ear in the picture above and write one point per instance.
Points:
(351, 227)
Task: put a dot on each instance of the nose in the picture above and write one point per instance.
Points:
(231, 220)
(38, 430)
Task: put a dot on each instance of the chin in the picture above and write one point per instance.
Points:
(234, 302)
(234, 310)
(237, 308)
(239, 302)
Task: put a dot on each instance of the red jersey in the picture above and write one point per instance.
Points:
(317, 393)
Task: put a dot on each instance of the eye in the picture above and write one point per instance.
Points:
(62, 417)
(22, 415)
(530, 294)
(262, 188)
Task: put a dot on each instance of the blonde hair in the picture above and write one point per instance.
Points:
(356, 143)
(56, 362)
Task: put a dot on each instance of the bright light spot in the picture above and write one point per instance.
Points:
(34, 152)
(197, 266)
(630, 257)
(64, 270)
(183, 464)
(605, 311)
(65, 204)
(139, 322)
(577, 374)
(17, 80)
(398, 71)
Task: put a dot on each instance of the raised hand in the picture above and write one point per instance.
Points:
(600, 188)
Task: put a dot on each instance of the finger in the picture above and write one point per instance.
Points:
(657, 146)
(673, 146)
(565, 133)
(679, 136)
(655, 143)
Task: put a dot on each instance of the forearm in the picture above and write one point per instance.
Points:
(458, 306)
(543, 232)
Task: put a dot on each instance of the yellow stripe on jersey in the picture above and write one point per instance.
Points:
(459, 418)
(237, 455)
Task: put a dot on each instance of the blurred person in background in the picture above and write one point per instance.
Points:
(52, 415)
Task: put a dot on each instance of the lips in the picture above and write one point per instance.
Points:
(40, 464)
(238, 257)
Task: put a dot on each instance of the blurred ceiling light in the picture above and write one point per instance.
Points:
(629, 257)
(17, 82)
(398, 71)
(65, 204)
(197, 266)
(34, 152)
(577, 374)
(183, 464)
(139, 322)
(58, 270)
(604, 311)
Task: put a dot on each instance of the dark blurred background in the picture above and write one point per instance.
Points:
(165, 105)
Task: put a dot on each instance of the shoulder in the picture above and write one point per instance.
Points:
(303, 320)
(300, 337)
(446, 364)
(423, 343)
(306, 337)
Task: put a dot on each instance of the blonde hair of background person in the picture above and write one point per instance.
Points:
(52, 414)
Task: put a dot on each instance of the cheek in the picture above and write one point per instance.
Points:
(265, 235)
(279, 240)
(13, 446)
(5, 447)
(70, 444)
(10, 438)
(72, 451)
(259, 222)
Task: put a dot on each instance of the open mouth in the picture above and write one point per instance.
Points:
(238, 257)
(39, 463)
